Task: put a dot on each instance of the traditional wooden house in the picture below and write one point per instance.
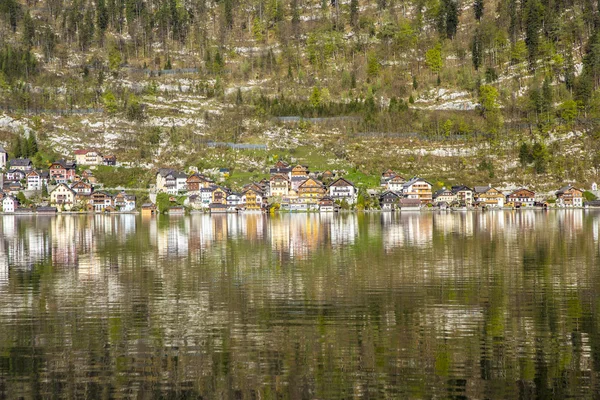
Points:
(487, 196)
(124, 202)
(195, 182)
(569, 196)
(386, 176)
(418, 188)
(521, 197)
(82, 188)
(389, 201)
(100, 201)
(327, 204)
(327, 176)
(409, 204)
(109, 160)
(281, 168)
(311, 190)
(342, 190)
(395, 184)
(444, 196)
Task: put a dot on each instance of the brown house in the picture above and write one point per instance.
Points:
(521, 197)
(569, 196)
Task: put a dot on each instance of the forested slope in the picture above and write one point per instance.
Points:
(483, 90)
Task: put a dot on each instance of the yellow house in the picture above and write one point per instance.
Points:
(311, 190)
(252, 200)
(62, 196)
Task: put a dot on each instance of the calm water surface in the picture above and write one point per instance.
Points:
(456, 305)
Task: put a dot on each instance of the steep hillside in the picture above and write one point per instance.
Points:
(484, 91)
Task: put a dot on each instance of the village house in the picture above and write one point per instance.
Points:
(100, 201)
(15, 175)
(299, 176)
(488, 196)
(109, 160)
(281, 168)
(3, 158)
(88, 157)
(464, 194)
(161, 179)
(206, 195)
(279, 185)
(171, 181)
(12, 187)
(327, 204)
(195, 182)
(82, 188)
(218, 195)
(385, 177)
(36, 180)
(9, 204)
(194, 201)
(88, 176)
(327, 176)
(395, 184)
(342, 189)
(62, 196)
(418, 188)
(521, 197)
(444, 195)
(311, 190)
(569, 196)
(234, 199)
(389, 201)
(252, 200)
(124, 202)
(62, 171)
(23, 164)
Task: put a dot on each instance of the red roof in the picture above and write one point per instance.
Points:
(81, 151)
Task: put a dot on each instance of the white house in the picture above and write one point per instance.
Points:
(9, 204)
(395, 184)
(464, 194)
(37, 179)
(23, 164)
(62, 195)
(342, 189)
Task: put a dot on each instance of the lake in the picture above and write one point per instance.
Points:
(501, 304)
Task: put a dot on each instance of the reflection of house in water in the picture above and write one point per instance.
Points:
(407, 229)
(343, 228)
(64, 244)
(172, 240)
(454, 222)
(22, 242)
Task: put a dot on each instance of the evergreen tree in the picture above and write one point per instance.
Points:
(477, 50)
(228, 5)
(28, 30)
(353, 12)
(101, 16)
(17, 148)
(533, 24)
(478, 9)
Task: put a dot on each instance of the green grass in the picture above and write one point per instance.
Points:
(113, 177)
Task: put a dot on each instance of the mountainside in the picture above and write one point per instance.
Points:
(483, 91)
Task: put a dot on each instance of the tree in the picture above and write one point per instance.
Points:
(134, 110)
(568, 110)
(315, 97)
(477, 50)
(532, 27)
(163, 202)
(17, 147)
(28, 30)
(540, 156)
(433, 58)
(114, 59)
(525, 156)
(488, 96)
(353, 12)
(101, 16)
(478, 9)
(372, 64)
(447, 18)
(110, 102)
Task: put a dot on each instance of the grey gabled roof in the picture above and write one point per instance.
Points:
(20, 162)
